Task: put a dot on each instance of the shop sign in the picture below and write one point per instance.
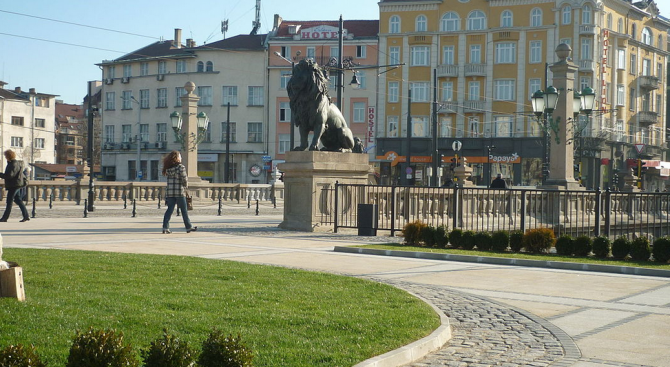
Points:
(603, 66)
(208, 157)
(321, 32)
(513, 158)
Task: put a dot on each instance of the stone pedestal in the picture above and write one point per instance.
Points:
(306, 175)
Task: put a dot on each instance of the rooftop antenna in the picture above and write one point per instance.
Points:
(224, 28)
(256, 23)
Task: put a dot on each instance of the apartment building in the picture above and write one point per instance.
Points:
(141, 89)
(70, 133)
(486, 58)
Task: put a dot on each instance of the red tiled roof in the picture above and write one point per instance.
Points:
(359, 28)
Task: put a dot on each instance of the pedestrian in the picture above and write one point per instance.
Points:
(15, 179)
(177, 187)
(498, 183)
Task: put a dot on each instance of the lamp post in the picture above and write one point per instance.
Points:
(138, 139)
(190, 130)
(89, 142)
(489, 148)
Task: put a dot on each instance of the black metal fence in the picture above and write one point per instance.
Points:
(575, 213)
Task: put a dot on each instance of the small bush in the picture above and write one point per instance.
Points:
(601, 247)
(565, 245)
(661, 249)
(428, 236)
(219, 350)
(639, 249)
(20, 356)
(516, 240)
(620, 248)
(538, 240)
(456, 238)
(582, 245)
(100, 348)
(412, 232)
(468, 240)
(500, 241)
(441, 236)
(168, 351)
(483, 241)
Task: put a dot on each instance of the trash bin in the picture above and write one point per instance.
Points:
(367, 220)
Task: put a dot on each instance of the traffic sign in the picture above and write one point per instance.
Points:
(408, 170)
(639, 148)
(456, 145)
(70, 169)
(266, 158)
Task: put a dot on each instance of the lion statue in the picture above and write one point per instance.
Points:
(313, 111)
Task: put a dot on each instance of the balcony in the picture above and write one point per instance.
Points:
(475, 70)
(448, 107)
(586, 65)
(447, 70)
(649, 82)
(587, 29)
(473, 106)
(646, 118)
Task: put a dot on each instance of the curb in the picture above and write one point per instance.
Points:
(630, 270)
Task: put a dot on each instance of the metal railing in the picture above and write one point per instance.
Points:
(578, 212)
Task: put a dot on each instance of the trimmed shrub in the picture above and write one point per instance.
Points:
(565, 245)
(639, 249)
(101, 348)
(169, 351)
(483, 241)
(516, 240)
(601, 247)
(412, 232)
(582, 245)
(620, 248)
(219, 350)
(468, 240)
(456, 238)
(20, 356)
(538, 240)
(500, 241)
(428, 236)
(441, 236)
(661, 249)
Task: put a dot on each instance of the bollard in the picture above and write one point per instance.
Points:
(274, 202)
(51, 199)
(220, 206)
(34, 205)
(159, 201)
(248, 201)
(125, 201)
(134, 207)
(85, 208)
(257, 207)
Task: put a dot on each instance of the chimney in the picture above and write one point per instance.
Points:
(17, 90)
(177, 38)
(190, 43)
(32, 91)
(277, 21)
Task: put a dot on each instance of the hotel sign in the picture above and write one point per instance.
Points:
(321, 32)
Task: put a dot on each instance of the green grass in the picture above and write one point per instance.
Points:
(511, 255)
(287, 317)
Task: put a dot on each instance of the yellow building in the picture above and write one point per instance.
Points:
(485, 59)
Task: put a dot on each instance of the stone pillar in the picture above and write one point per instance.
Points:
(189, 108)
(306, 174)
(463, 174)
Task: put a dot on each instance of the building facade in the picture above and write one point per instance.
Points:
(70, 130)
(475, 64)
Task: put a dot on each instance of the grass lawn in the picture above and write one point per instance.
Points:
(287, 317)
(512, 255)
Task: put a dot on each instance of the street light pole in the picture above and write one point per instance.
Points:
(340, 72)
(138, 140)
(226, 166)
(435, 178)
(90, 140)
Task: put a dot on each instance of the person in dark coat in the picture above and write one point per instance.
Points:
(498, 183)
(14, 181)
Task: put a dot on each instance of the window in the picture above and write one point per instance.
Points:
(647, 37)
(161, 131)
(646, 67)
(39, 143)
(362, 79)
(40, 123)
(126, 133)
(334, 52)
(586, 49)
(69, 140)
(534, 85)
(505, 53)
(586, 14)
(359, 112)
(473, 91)
(284, 143)
(421, 23)
(284, 77)
(109, 133)
(420, 56)
(209, 67)
(144, 132)
(536, 17)
(127, 70)
(475, 54)
(17, 142)
(584, 82)
(233, 132)
(473, 126)
(286, 51)
(633, 64)
(311, 53)
(503, 126)
(619, 25)
(659, 70)
(450, 22)
(566, 15)
(255, 96)
(394, 55)
(660, 42)
(506, 19)
(205, 94)
(393, 92)
(361, 52)
(394, 24)
(503, 90)
(255, 132)
(111, 72)
(448, 55)
(621, 58)
(447, 91)
(161, 97)
(609, 21)
(535, 52)
(179, 92)
(162, 67)
(17, 120)
(127, 96)
(180, 66)
(659, 103)
(419, 126)
(200, 67)
(445, 127)
(476, 20)
(633, 31)
(284, 112)
(208, 134)
(631, 100)
(229, 95)
(620, 95)
(144, 68)
(110, 100)
(392, 126)
(419, 91)
(41, 101)
(144, 98)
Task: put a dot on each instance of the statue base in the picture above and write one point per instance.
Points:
(309, 178)
(562, 185)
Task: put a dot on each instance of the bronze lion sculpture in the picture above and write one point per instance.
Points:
(313, 111)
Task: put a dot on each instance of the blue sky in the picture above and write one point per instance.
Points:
(59, 57)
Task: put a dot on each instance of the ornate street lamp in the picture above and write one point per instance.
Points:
(544, 104)
(189, 142)
(588, 100)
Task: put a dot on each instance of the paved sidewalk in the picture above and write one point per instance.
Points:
(500, 315)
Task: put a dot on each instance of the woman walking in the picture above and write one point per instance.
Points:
(14, 181)
(177, 184)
